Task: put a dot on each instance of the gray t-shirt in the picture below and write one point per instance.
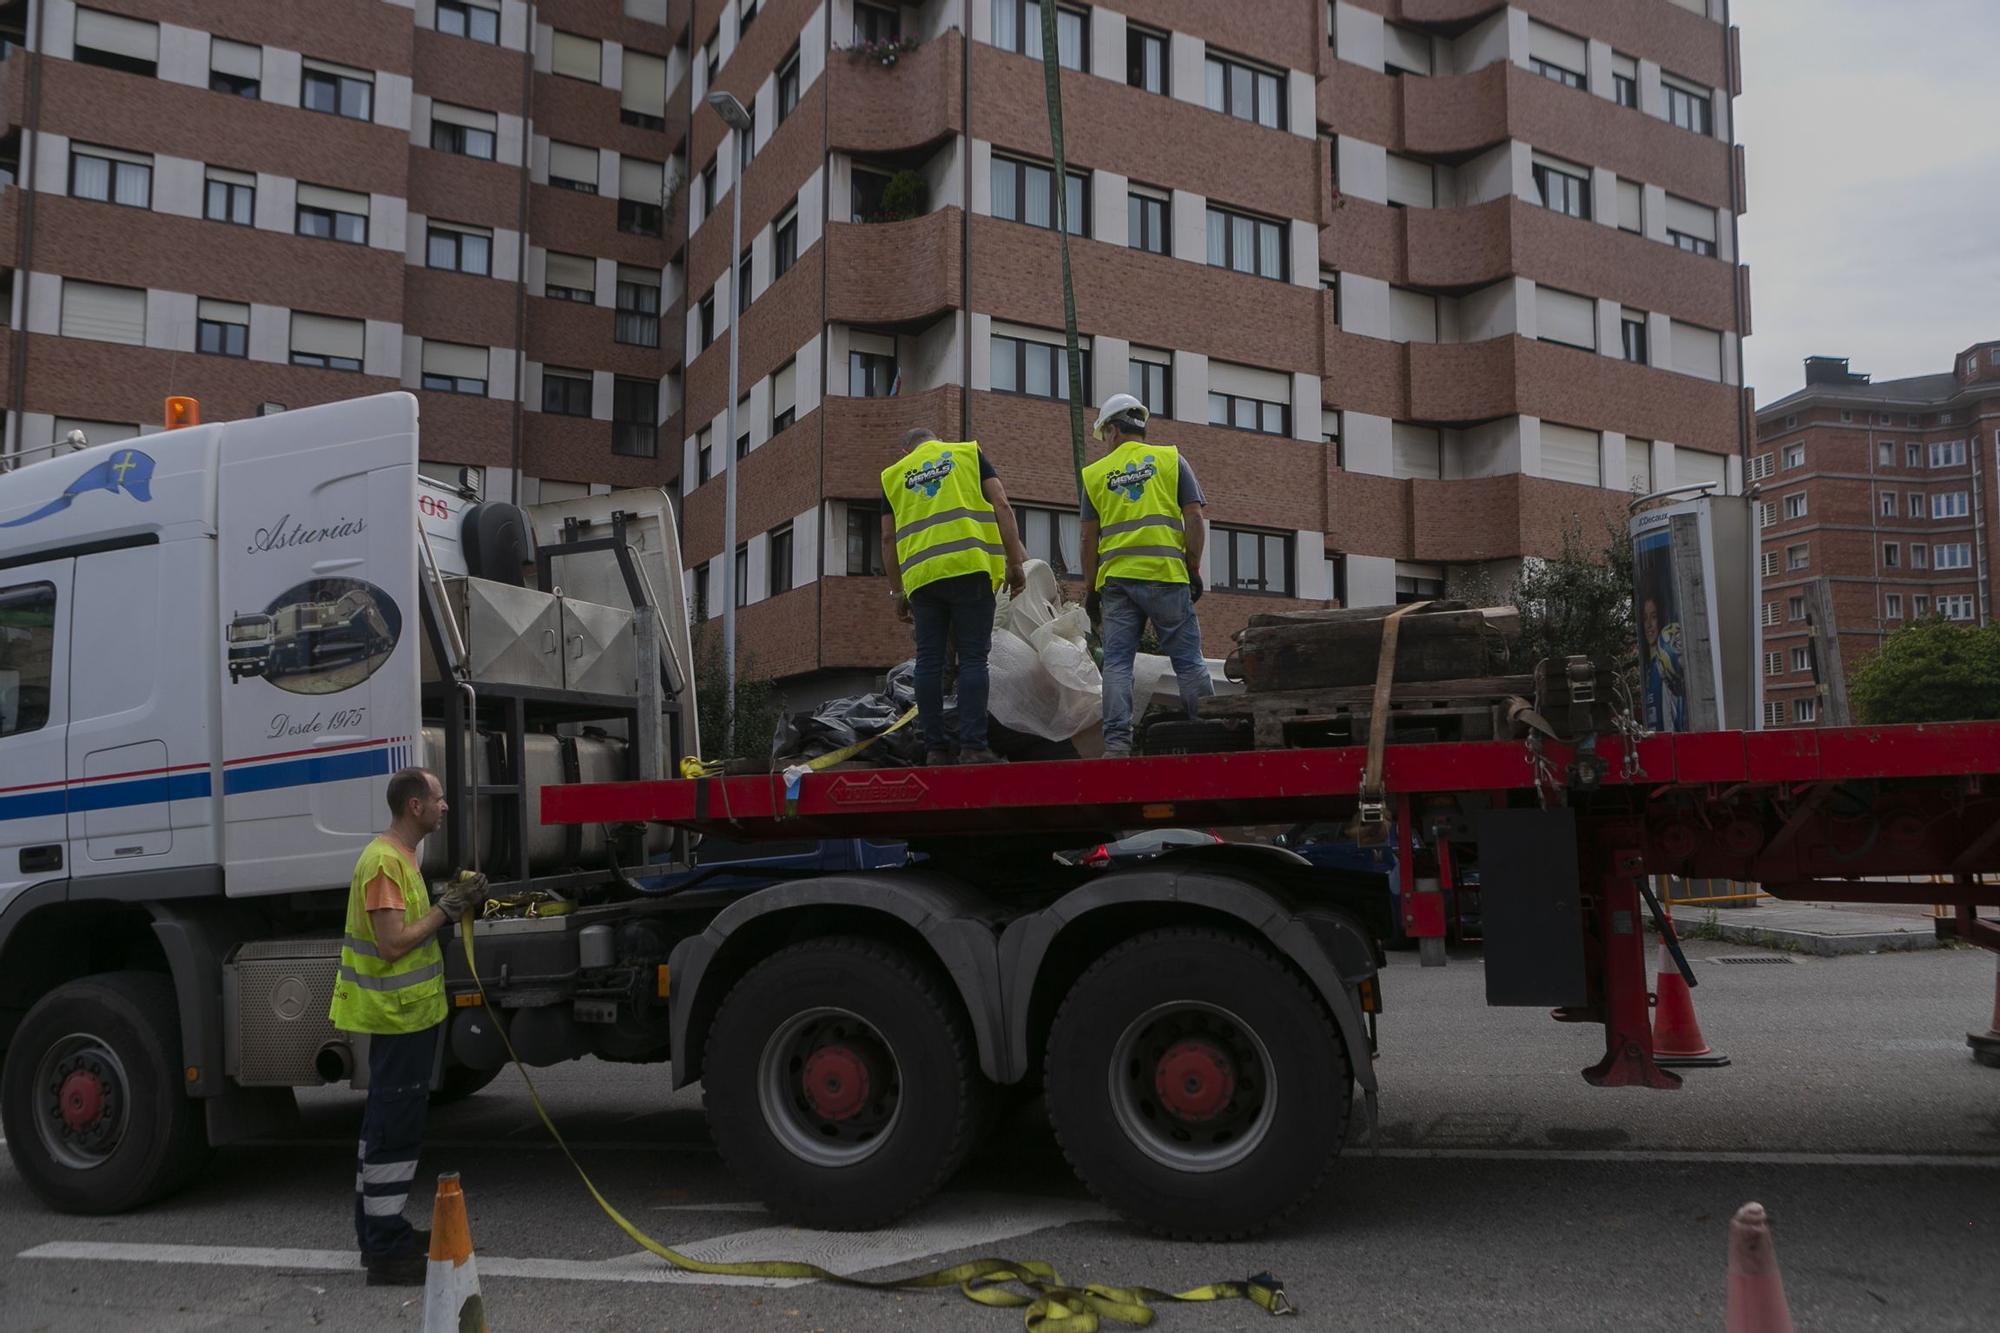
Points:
(1190, 493)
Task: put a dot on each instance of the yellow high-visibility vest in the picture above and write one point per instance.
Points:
(371, 994)
(1140, 535)
(945, 525)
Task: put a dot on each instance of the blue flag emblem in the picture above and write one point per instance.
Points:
(129, 471)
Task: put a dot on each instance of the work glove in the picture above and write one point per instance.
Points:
(468, 890)
(1195, 588)
(1093, 605)
(452, 901)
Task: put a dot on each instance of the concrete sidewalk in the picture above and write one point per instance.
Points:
(1814, 928)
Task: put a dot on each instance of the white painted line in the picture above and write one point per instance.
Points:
(960, 1222)
(1674, 1157)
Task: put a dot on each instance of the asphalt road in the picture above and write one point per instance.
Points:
(1509, 1195)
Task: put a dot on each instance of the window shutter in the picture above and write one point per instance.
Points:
(1411, 182)
(1413, 316)
(1406, 49)
(577, 57)
(1565, 317)
(1556, 47)
(222, 312)
(323, 335)
(228, 177)
(466, 116)
(112, 154)
(340, 201)
(454, 359)
(1697, 351)
(572, 271)
(640, 180)
(344, 71)
(1630, 205)
(785, 389)
(1417, 452)
(649, 11)
(1570, 454)
(645, 84)
(1249, 382)
(1639, 465)
(1684, 215)
(104, 314)
(572, 163)
(463, 229)
(1624, 66)
(117, 34)
(227, 57)
(1695, 465)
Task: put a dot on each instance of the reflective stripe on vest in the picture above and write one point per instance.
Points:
(1135, 490)
(374, 994)
(945, 526)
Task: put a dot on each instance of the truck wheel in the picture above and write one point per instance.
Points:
(840, 1083)
(1196, 1085)
(460, 1082)
(96, 1120)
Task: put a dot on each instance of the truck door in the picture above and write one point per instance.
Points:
(34, 718)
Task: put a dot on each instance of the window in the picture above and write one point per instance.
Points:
(1694, 245)
(1795, 608)
(744, 15)
(1569, 78)
(458, 249)
(1774, 713)
(866, 191)
(641, 187)
(1885, 454)
(1952, 555)
(1770, 614)
(1760, 467)
(1887, 501)
(1805, 710)
(778, 562)
(1920, 556)
(337, 90)
(1557, 55)
(1795, 456)
(638, 307)
(635, 417)
(222, 328)
(1795, 505)
(332, 215)
(1247, 244)
(1625, 81)
(785, 242)
(877, 23)
(235, 68)
(576, 57)
(746, 142)
(328, 343)
(1412, 183)
(1037, 369)
(642, 91)
(1053, 535)
(788, 86)
(784, 397)
(1245, 413)
(871, 374)
(1948, 453)
(1631, 207)
(111, 176)
(1406, 50)
(1767, 514)
(699, 609)
(1633, 332)
(711, 59)
(1801, 659)
(1892, 555)
(1689, 105)
(705, 321)
(566, 393)
(1768, 564)
(864, 538)
(1017, 26)
(1562, 317)
(103, 314)
(454, 368)
(1892, 606)
(570, 278)
(1021, 193)
(1152, 381)
(1146, 59)
(1950, 504)
(1798, 557)
(1918, 503)
(231, 197)
(1248, 561)
(1561, 187)
(1148, 222)
(1957, 607)
(704, 457)
(1913, 454)
(742, 576)
(27, 656)
(1920, 605)
(116, 42)
(1245, 92)
(469, 18)
(461, 130)
(572, 167)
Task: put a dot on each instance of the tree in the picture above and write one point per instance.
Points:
(1577, 602)
(758, 704)
(1931, 670)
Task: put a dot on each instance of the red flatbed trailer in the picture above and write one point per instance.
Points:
(1568, 833)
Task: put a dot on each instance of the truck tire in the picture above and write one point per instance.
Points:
(91, 1094)
(461, 1082)
(1196, 1085)
(840, 1083)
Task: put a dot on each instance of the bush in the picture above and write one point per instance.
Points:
(758, 705)
(1931, 670)
(1576, 602)
(907, 195)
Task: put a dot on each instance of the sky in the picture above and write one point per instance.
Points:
(1873, 169)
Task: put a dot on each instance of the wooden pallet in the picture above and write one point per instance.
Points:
(1474, 709)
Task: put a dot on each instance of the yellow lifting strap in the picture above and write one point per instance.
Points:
(692, 767)
(1050, 1305)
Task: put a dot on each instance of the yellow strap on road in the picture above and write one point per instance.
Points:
(1050, 1304)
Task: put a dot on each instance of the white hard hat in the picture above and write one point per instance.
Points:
(1118, 405)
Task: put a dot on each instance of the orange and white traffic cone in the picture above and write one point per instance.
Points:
(1986, 1045)
(1756, 1288)
(452, 1303)
(1677, 1039)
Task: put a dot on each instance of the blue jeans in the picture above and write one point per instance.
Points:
(1128, 605)
(953, 611)
(392, 1133)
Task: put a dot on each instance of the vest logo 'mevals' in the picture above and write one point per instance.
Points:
(929, 477)
(1132, 478)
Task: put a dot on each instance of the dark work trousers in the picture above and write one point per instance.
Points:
(956, 611)
(392, 1133)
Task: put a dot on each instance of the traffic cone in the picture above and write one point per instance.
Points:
(1677, 1039)
(1986, 1045)
(1756, 1288)
(451, 1288)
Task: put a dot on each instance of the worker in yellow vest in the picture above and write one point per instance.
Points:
(948, 539)
(1142, 534)
(391, 986)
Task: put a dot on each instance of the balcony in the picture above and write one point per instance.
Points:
(894, 273)
(909, 105)
(861, 434)
(1454, 114)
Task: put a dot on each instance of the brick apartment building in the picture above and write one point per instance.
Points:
(1885, 489)
(1413, 283)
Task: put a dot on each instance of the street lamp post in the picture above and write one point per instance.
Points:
(739, 123)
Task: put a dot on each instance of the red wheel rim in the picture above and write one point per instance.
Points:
(1195, 1080)
(837, 1082)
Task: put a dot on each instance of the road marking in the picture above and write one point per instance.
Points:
(1674, 1157)
(960, 1222)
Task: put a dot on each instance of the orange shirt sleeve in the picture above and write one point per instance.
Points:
(384, 893)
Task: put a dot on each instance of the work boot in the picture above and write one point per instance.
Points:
(397, 1270)
(938, 759)
(1117, 752)
(978, 754)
